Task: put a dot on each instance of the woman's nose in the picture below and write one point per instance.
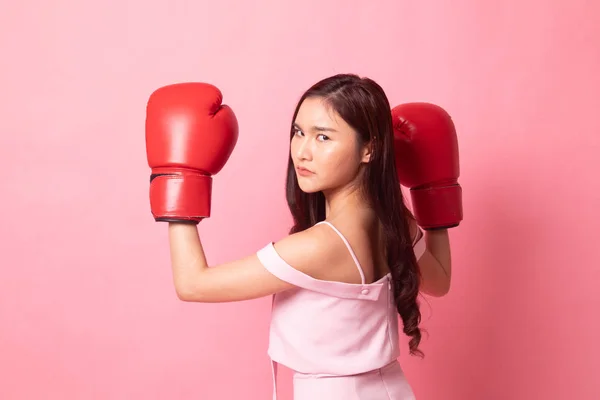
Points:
(304, 152)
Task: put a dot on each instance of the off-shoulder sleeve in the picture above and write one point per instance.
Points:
(276, 265)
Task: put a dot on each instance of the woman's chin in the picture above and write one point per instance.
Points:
(306, 187)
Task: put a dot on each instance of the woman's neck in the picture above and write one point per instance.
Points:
(345, 201)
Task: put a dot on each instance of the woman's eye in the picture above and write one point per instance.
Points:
(323, 137)
(297, 132)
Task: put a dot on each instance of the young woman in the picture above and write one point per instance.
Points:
(355, 258)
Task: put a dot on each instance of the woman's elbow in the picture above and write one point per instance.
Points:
(442, 290)
(185, 295)
(439, 288)
(436, 292)
(188, 293)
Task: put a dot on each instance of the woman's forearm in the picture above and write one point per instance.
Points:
(438, 244)
(187, 257)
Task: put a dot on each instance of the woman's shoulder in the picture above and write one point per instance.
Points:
(312, 249)
(319, 252)
(309, 245)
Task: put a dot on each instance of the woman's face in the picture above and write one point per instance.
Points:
(324, 148)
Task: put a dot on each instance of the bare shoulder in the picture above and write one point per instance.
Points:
(311, 251)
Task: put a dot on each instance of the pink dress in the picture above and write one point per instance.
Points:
(340, 339)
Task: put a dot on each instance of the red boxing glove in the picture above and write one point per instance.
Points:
(427, 162)
(189, 137)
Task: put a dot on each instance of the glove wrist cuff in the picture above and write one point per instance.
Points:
(437, 207)
(177, 197)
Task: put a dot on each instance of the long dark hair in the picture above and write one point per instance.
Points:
(362, 103)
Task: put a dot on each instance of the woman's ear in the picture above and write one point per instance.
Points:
(368, 151)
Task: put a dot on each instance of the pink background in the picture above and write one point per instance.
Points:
(87, 305)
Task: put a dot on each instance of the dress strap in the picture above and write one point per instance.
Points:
(362, 275)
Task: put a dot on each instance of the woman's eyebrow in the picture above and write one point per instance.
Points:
(316, 128)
